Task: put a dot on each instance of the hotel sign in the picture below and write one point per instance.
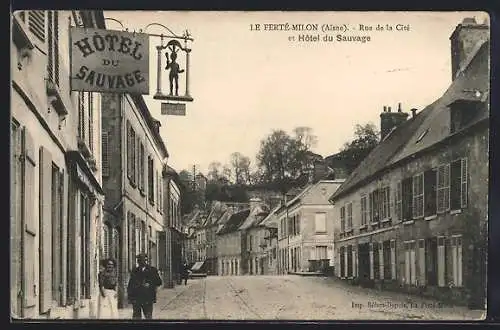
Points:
(173, 109)
(109, 61)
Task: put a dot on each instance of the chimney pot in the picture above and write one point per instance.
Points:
(413, 112)
(389, 109)
(399, 107)
(385, 108)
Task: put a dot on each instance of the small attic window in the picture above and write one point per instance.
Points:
(421, 136)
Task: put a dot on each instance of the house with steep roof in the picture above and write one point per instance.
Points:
(253, 242)
(305, 229)
(229, 243)
(413, 216)
(270, 223)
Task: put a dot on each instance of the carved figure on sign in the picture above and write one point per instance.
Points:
(174, 71)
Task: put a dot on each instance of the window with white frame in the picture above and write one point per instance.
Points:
(418, 196)
(410, 263)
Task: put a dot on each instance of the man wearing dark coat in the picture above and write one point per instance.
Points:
(142, 286)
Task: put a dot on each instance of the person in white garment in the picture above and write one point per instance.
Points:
(108, 298)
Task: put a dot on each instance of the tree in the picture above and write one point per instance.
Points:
(240, 167)
(279, 159)
(366, 137)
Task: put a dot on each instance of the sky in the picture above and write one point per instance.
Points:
(247, 83)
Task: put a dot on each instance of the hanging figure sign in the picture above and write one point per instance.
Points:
(176, 73)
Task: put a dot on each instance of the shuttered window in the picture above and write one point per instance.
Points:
(53, 46)
(151, 180)
(463, 190)
(457, 260)
(393, 259)
(90, 109)
(105, 153)
(430, 192)
(443, 188)
(30, 288)
(441, 261)
(320, 222)
(349, 216)
(398, 196)
(131, 240)
(421, 263)
(141, 167)
(418, 196)
(381, 260)
(82, 123)
(342, 219)
(458, 184)
(105, 244)
(133, 171)
(36, 23)
(407, 201)
(364, 211)
(57, 234)
(45, 225)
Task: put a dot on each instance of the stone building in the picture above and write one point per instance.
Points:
(253, 239)
(229, 243)
(56, 206)
(171, 239)
(413, 215)
(134, 156)
(305, 229)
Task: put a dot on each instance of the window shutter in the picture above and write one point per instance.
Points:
(421, 261)
(464, 190)
(36, 23)
(354, 264)
(441, 262)
(105, 154)
(45, 243)
(459, 261)
(56, 47)
(50, 39)
(91, 120)
(381, 260)
(30, 218)
(105, 243)
(372, 264)
(393, 259)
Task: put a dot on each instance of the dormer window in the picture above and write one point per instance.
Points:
(421, 136)
(462, 113)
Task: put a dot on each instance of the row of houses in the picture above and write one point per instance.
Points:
(411, 217)
(90, 178)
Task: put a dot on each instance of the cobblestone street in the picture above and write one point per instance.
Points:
(293, 298)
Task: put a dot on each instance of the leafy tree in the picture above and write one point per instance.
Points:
(366, 137)
(240, 167)
(283, 159)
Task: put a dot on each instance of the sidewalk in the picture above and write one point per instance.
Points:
(163, 298)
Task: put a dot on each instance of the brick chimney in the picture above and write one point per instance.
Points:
(463, 40)
(320, 171)
(389, 120)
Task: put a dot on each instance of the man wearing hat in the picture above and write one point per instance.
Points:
(144, 280)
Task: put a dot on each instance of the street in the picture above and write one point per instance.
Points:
(293, 298)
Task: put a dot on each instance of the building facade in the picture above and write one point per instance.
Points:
(133, 159)
(56, 206)
(172, 239)
(305, 229)
(229, 244)
(413, 215)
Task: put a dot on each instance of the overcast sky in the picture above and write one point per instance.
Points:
(247, 83)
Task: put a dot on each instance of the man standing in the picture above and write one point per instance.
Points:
(144, 280)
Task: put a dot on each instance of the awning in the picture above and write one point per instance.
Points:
(80, 170)
(197, 265)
